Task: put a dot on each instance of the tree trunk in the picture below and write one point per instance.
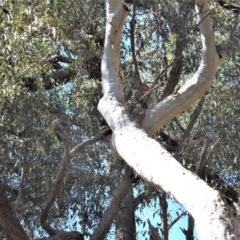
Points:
(125, 220)
(146, 156)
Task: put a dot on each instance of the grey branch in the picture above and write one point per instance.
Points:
(58, 127)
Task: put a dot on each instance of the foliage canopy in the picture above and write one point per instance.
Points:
(50, 54)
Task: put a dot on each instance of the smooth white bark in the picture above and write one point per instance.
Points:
(146, 155)
(173, 105)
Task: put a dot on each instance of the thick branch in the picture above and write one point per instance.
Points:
(145, 155)
(176, 70)
(173, 105)
(117, 12)
(11, 223)
(164, 214)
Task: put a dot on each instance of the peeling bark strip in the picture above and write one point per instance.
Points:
(144, 154)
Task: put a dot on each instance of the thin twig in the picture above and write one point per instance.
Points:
(132, 26)
(176, 219)
(20, 191)
(193, 118)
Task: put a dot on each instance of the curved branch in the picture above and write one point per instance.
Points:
(173, 105)
(80, 146)
(145, 153)
(58, 128)
(56, 189)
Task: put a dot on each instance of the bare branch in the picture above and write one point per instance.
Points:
(58, 128)
(20, 191)
(177, 219)
(166, 110)
(193, 118)
(137, 77)
(59, 179)
(113, 206)
(189, 232)
(203, 159)
(80, 146)
(176, 70)
(164, 214)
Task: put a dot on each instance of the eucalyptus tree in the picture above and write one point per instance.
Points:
(50, 87)
(213, 217)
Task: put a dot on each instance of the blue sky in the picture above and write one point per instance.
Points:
(175, 232)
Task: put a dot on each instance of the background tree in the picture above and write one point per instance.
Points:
(50, 69)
